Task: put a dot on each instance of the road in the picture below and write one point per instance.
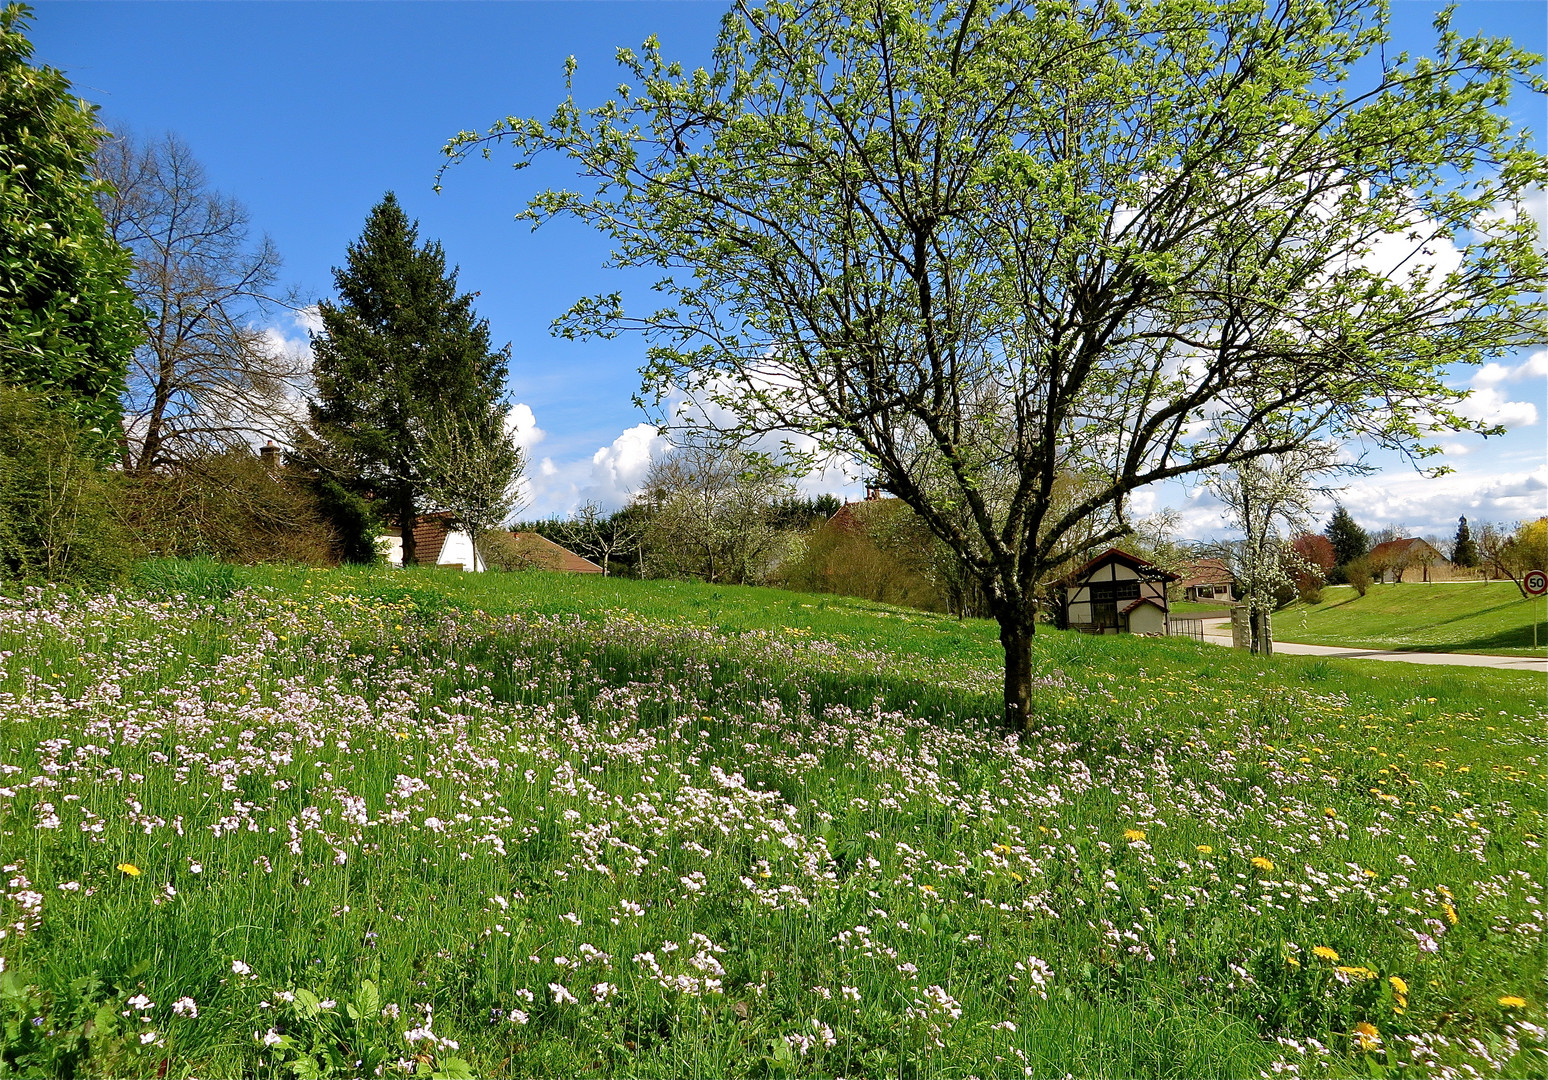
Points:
(1218, 632)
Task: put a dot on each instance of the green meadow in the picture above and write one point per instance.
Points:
(287, 823)
(1464, 617)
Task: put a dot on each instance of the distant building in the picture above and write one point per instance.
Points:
(1208, 579)
(1391, 560)
(436, 543)
(544, 554)
(1118, 593)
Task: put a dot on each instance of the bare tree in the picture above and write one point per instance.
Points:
(207, 378)
(602, 536)
(472, 465)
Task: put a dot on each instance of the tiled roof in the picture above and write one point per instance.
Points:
(551, 556)
(1143, 600)
(1134, 562)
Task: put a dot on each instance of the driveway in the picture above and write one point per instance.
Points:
(1218, 631)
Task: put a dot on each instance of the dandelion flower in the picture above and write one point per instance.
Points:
(1262, 864)
(1134, 836)
(1451, 913)
(1329, 812)
(1366, 1037)
(1511, 1001)
(1322, 952)
(1398, 984)
(129, 869)
(1204, 849)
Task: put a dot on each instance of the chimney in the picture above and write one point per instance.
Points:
(269, 454)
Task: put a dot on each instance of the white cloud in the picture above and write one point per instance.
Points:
(1433, 504)
(520, 422)
(1487, 405)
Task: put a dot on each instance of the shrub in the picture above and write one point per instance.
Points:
(229, 506)
(1311, 593)
(59, 517)
(1358, 574)
(503, 552)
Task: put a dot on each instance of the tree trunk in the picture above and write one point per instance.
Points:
(407, 519)
(1016, 639)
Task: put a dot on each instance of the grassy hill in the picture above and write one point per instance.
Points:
(1467, 617)
(275, 822)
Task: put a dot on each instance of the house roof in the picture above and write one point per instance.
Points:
(430, 533)
(1209, 571)
(551, 556)
(1133, 562)
(1391, 549)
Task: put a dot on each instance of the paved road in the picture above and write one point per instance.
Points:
(1218, 631)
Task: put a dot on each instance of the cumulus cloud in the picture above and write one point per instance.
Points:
(1487, 405)
(520, 422)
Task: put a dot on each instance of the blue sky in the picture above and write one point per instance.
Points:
(308, 112)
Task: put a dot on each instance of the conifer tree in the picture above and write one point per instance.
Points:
(1350, 542)
(1464, 549)
(399, 352)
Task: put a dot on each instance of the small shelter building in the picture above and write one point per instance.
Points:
(1119, 593)
(436, 543)
(1208, 579)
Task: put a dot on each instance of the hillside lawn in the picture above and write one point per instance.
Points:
(1462, 617)
(280, 822)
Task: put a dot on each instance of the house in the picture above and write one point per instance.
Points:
(436, 543)
(1118, 593)
(1208, 579)
(544, 554)
(1391, 559)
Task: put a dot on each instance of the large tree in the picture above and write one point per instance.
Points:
(206, 378)
(980, 246)
(68, 322)
(1464, 550)
(399, 352)
(1349, 539)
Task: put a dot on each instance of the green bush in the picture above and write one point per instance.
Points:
(1358, 574)
(59, 511)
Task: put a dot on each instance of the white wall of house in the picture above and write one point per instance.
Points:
(458, 549)
(1147, 619)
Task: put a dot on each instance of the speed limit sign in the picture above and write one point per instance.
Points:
(1535, 582)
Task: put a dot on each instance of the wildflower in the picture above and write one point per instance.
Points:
(1511, 1001)
(186, 1006)
(147, 1037)
(268, 1038)
(141, 1002)
(1398, 984)
(1329, 812)
(1262, 864)
(129, 869)
(239, 968)
(1322, 952)
(1366, 1037)
(1134, 836)
(1451, 913)
(1204, 849)
(561, 995)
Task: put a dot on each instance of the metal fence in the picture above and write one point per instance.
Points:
(1188, 628)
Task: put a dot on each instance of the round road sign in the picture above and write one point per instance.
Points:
(1535, 582)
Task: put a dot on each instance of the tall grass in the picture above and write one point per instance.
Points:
(528, 825)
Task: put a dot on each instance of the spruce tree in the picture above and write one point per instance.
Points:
(1349, 541)
(399, 351)
(1464, 549)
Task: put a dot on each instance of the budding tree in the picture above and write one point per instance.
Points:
(980, 246)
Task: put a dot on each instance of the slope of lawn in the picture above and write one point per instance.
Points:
(291, 823)
(1464, 617)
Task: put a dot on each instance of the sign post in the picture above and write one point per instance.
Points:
(1535, 583)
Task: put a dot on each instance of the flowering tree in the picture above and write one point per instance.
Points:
(1268, 499)
(979, 246)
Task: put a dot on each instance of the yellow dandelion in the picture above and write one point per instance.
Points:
(1329, 812)
(1134, 836)
(1451, 913)
(1292, 961)
(1262, 864)
(1205, 849)
(1511, 1001)
(1358, 972)
(1398, 984)
(1366, 1037)
(1322, 952)
(129, 869)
